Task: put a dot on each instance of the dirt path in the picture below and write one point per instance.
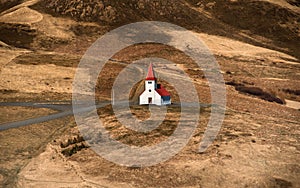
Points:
(292, 104)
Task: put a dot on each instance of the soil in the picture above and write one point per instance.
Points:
(256, 44)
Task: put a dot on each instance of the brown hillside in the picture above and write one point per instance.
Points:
(255, 42)
(258, 22)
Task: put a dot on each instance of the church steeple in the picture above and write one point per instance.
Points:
(150, 83)
(151, 74)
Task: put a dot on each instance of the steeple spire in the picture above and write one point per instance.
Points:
(150, 75)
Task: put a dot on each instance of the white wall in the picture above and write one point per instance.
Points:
(156, 98)
(150, 85)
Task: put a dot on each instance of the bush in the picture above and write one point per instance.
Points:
(74, 149)
(293, 92)
(259, 93)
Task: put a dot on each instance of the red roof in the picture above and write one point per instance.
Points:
(150, 75)
(162, 91)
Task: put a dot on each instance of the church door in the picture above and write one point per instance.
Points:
(150, 100)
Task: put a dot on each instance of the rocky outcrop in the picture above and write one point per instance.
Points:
(85, 10)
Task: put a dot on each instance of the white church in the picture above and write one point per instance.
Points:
(154, 93)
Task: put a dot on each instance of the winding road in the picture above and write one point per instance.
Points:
(65, 109)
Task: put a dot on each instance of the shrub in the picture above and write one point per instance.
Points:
(259, 93)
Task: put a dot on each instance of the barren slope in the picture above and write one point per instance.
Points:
(256, 44)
